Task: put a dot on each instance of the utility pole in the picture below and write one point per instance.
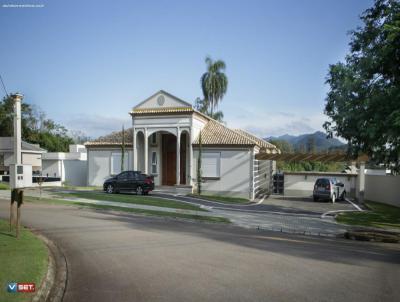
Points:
(17, 170)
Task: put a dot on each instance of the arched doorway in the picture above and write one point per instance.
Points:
(168, 147)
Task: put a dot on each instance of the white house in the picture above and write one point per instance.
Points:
(30, 153)
(164, 142)
(70, 167)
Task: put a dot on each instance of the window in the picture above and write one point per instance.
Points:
(154, 162)
(153, 139)
(116, 158)
(210, 164)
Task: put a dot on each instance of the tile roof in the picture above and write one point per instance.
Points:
(6, 143)
(112, 139)
(138, 111)
(215, 133)
(260, 142)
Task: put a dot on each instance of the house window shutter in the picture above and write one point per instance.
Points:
(210, 164)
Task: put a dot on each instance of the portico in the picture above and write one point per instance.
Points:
(164, 152)
(162, 139)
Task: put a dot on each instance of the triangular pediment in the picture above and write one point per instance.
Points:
(162, 99)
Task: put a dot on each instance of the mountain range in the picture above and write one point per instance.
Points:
(304, 142)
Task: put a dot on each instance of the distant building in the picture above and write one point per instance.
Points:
(70, 166)
(31, 155)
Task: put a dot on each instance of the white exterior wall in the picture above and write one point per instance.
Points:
(33, 159)
(302, 184)
(383, 188)
(51, 168)
(235, 173)
(99, 164)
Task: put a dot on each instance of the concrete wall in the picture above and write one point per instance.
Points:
(383, 188)
(75, 172)
(235, 171)
(302, 183)
(99, 165)
(51, 167)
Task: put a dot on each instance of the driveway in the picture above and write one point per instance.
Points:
(272, 204)
(122, 257)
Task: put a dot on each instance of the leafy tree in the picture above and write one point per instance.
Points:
(203, 106)
(282, 145)
(123, 149)
(214, 83)
(363, 104)
(36, 128)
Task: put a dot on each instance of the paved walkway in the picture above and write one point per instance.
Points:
(302, 222)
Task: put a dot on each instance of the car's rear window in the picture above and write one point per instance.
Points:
(322, 182)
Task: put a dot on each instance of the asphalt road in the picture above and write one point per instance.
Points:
(122, 257)
(274, 203)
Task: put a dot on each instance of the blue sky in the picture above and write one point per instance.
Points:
(86, 63)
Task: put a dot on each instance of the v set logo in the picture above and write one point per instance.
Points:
(21, 287)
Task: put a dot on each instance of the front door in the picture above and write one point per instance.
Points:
(168, 159)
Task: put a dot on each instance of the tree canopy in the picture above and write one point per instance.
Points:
(36, 128)
(214, 83)
(363, 103)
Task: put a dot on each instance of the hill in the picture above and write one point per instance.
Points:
(307, 142)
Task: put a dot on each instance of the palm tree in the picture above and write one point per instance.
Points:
(204, 107)
(214, 83)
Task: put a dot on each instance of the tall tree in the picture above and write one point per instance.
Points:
(36, 128)
(123, 149)
(203, 106)
(363, 104)
(199, 175)
(214, 83)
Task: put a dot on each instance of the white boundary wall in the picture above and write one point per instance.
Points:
(383, 188)
(302, 183)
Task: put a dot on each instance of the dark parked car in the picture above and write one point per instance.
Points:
(135, 181)
(328, 188)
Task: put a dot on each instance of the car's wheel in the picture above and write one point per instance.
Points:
(333, 198)
(110, 189)
(343, 196)
(139, 190)
(315, 198)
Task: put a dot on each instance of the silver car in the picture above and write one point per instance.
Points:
(328, 188)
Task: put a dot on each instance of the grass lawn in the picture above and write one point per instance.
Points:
(139, 211)
(380, 216)
(4, 186)
(224, 199)
(21, 260)
(135, 199)
(81, 188)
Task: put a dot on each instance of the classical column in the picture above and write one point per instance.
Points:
(146, 152)
(190, 158)
(178, 156)
(134, 159)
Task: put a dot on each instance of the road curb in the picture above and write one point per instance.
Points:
(53, 286)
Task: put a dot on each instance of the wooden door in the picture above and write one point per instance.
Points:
(168, 160)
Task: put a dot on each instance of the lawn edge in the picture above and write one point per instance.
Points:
(53, 285)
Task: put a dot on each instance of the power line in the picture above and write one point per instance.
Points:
(4, 86)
